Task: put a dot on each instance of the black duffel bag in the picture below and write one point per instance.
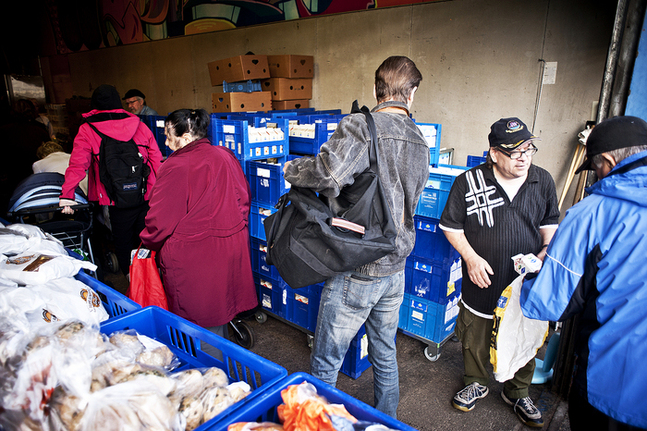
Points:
(312, 238)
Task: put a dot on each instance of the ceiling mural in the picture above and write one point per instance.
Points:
(84, 25)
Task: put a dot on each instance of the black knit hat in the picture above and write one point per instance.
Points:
(105, 98)
(613, 134)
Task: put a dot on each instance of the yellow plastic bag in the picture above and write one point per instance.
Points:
(515, 338)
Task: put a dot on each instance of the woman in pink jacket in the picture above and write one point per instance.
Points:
(198, 221)
(110, 119)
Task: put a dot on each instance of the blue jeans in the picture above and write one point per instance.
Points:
(347, 301)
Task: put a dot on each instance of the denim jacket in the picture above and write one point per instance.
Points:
(403, 168)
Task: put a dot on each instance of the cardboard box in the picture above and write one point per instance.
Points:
(291, 66)
(290, 104)
(241, 102)
(241, 68)
(289, 89)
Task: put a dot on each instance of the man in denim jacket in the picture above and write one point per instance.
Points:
(370, 294)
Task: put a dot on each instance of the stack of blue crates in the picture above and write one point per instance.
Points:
(476, 160)
(299, 307)
(433, 270)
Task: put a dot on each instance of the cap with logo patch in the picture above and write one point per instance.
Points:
(509, 133)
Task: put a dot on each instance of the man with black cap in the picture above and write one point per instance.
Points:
(136, 102)
(494, 211)
(595, 267)
(110, 119)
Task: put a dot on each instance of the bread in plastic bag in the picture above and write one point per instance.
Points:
(515, 338)
(34, 268)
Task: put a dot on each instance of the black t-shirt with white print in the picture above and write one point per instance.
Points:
(496, 228)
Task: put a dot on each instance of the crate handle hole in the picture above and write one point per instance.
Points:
(255, 61)
(303, 62)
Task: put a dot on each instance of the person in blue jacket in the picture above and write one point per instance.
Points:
(595, 266)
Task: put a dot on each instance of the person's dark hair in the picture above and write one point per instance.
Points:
(25, 108)
(395, 78)
(192, 121)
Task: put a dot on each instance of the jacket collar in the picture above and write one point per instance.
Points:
(389, 103)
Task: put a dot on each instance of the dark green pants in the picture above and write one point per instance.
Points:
(475, 332)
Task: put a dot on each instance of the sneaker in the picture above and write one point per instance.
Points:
(525, 410)
(465, 399)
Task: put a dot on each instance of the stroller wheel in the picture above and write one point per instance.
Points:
(260, 317)
(112, 262)
(243, 334)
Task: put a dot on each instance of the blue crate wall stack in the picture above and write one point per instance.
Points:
(433, 270)
(476, 160)
(298, 307)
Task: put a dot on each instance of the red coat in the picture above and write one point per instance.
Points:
(87, 144)
(198, 220)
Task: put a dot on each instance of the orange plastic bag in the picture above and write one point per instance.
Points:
(304, 410)
(145, 283)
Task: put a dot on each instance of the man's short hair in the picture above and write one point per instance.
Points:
(618, 155)
(395, 78)
(47, 148)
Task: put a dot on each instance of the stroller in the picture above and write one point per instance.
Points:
(35, 202)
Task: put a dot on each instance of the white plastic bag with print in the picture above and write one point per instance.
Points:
(32, 268)
(515, 338)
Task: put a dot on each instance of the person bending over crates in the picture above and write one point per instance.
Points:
(198, 222)
(494, 211)
(595, 267)
(371, 294)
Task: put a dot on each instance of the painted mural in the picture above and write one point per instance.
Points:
(91, 24)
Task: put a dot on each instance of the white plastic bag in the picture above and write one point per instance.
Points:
(515, 338)
(39, 268)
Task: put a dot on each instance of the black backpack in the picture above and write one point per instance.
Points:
(122, 171)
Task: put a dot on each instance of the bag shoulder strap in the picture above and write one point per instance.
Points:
(372, 149)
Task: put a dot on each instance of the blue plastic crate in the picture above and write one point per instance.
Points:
(431, 242)
(186, 340)
(266, 180)
(474, 161)
(156, 125)
(303, 306)
(259, 259)
(259, 212)
(431, 132)
(241, 87)
(356, 359)
(433, 280)
(434, 196)
(114, 302)
(427, 319)
(234, 134)
(311, 146)
(264, 409)
(272, 294)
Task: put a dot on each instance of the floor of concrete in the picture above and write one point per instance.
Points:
(426, 388)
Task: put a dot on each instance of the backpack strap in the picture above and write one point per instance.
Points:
(372, 149)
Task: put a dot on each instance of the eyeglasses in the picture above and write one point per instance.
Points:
(517, 153)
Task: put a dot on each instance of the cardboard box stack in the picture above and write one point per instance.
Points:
(241, 68)
(290, 82)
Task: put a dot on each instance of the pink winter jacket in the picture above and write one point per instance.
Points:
(85, 153)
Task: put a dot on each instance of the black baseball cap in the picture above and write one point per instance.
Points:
(509, 133)
(133, 93)
(612, 134)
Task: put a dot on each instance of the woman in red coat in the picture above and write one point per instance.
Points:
(198, 223)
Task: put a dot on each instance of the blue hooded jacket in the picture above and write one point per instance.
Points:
(596, 265)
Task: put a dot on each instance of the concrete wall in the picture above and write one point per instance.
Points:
(479, 60)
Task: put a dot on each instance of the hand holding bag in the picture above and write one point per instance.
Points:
(145, 283)
(312, 238)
